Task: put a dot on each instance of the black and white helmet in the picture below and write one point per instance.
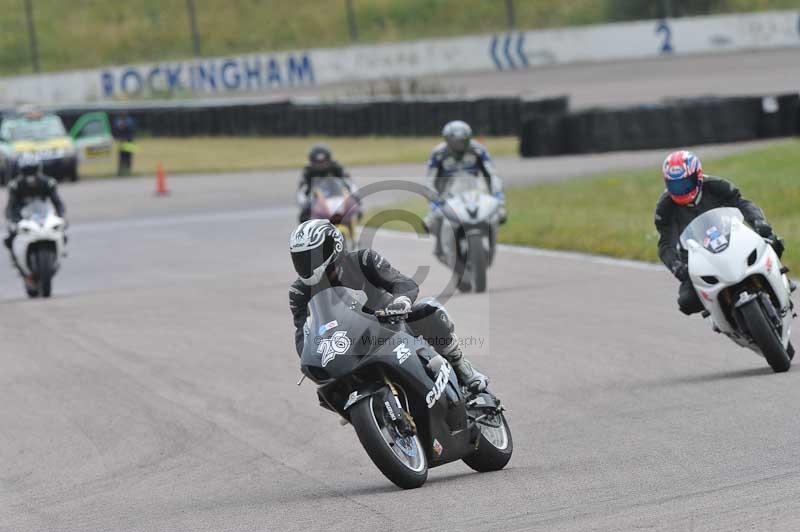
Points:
(314, 245)
(457, 134)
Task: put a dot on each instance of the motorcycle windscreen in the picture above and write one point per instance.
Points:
(334, 332)
(36, 210)
(329, 186)
(460, 183)
(712, 230)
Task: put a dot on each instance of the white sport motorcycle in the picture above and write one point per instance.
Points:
(742, 284)
(468, 233)
(39, 246)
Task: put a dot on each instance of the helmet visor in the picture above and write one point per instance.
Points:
(29, 169)
(682, 187)
(458, 145)
(305, 262)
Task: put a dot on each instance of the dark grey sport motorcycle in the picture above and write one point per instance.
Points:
(402, 398)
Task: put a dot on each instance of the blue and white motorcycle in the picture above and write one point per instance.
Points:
(468, 233)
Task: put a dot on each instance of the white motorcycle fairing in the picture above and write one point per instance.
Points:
(729, 265)
(39, 227)
(470, 218)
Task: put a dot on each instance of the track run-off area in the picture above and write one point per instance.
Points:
(157, 389)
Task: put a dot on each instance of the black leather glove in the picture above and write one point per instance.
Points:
(503, 214)
(763, 228)
(401, 305)
(680, 270)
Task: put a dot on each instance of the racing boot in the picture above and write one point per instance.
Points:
(30, 285)
(474, 380)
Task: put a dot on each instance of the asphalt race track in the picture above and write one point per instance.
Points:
(156, 390)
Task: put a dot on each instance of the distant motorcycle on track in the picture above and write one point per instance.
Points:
(38, 247)
(742, 284)
(331, 200)
(468, 233)
(402, 398)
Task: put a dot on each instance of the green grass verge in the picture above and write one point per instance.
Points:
(612, 214)
(92, 33)
(227, 154)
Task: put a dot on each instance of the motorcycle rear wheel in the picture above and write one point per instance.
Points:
(495, 445)
(401, 459)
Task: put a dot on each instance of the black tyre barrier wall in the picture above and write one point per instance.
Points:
(677, 123)
(487, 116)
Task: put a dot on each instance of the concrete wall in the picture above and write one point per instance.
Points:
(261, 73)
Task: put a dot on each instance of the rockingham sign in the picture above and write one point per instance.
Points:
(239, 74)
(261, 73)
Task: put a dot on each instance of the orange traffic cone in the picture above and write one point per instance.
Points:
(161, 181)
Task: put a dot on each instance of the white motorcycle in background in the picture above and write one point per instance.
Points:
(39, 246)
(742, 284)
(468, 233)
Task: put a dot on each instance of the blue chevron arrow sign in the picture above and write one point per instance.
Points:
(508, 51)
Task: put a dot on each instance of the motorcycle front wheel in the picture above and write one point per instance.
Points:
(43, 268)
(400, 458)
(477, 261)
(765, 336)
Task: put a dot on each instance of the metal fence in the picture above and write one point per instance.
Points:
(54, 32)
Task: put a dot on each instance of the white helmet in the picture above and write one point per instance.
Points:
(314, 245)
(457, 135)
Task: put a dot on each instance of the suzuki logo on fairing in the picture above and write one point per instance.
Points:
(442, 379)
(402, 353)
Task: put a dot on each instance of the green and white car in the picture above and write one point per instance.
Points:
(61, 152)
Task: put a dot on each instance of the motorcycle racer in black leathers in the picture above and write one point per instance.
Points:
(689, 194)
(317, 250)
(320, 164)
(459, 155)
(30, 184)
